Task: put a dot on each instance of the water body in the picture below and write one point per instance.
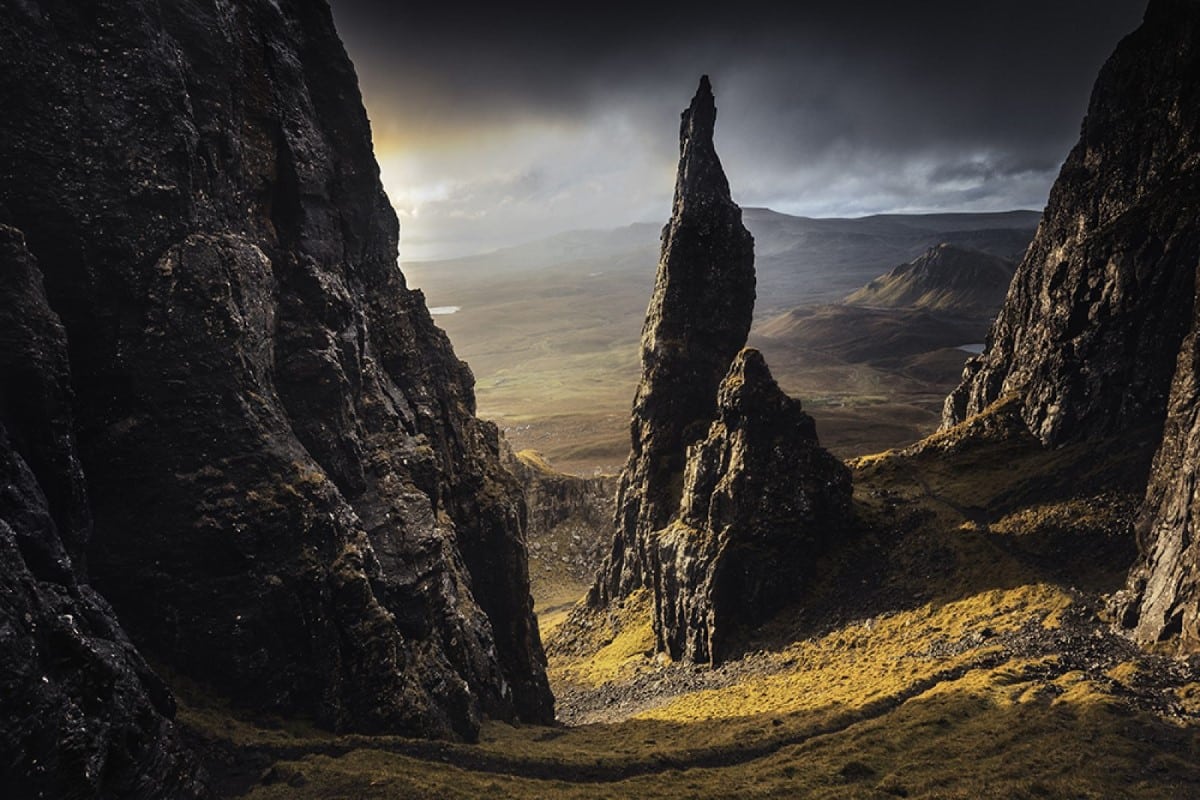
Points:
(441, 311)
(973, 349)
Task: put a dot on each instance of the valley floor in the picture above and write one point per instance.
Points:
(958, 648)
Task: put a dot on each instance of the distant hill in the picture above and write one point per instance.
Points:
(947, 277)
(802, 261)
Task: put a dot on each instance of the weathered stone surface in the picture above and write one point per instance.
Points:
(81, 714)
(292, 498)
(761, 502)
(697, 321)
(1162, 598)
(1089, 333)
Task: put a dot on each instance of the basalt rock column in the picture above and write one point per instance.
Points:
(697, 321)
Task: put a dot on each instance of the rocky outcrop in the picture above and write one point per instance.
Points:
(697, 321)
(570, 520)
(1162, 597)
(1098, 309)
(946, 278)
(761, 501)
(727, 497)
(292, 498)
(1098, 335)
(81, 714)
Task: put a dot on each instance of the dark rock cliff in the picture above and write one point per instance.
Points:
(1095, 316)
(761, 502)
(1098, 335)
(698, 319)
(292, 498)
(81, 714)
(1162, 598)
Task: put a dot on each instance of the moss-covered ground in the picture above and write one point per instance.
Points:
(957, 648)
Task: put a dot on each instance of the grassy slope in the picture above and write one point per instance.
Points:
(955, 652)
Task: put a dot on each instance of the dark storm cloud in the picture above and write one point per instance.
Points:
(940, 100)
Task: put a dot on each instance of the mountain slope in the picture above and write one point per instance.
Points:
(945, 278)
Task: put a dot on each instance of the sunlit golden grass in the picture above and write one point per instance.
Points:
(882, 657)
(623, 641)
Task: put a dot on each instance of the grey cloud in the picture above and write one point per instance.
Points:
(859, 106)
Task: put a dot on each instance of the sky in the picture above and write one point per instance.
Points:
(504, 122)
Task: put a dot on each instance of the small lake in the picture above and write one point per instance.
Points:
(973, 349)
(441, 311)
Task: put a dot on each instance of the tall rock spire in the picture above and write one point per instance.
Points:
(698, 319)
(727, 496)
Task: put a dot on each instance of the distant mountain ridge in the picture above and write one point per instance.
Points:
(800, 259)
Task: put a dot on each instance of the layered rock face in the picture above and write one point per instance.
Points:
(761, 500)
(81, 714)
(292, 498)
(1095, 316)
(727, 496)
(1162, 598)
(698, 319)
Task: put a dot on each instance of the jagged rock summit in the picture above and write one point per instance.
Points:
(292, 499)
(1097, 339)
(726, 489)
